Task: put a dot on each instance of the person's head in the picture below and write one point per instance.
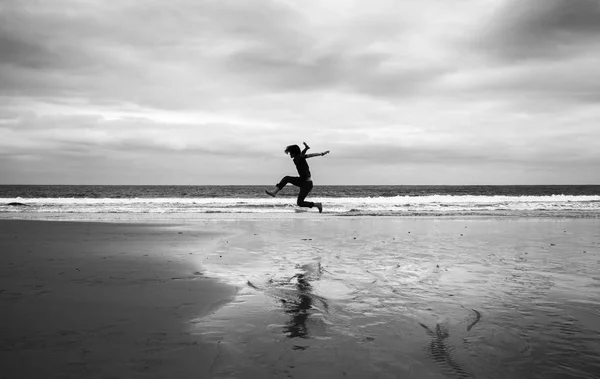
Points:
(293, 150)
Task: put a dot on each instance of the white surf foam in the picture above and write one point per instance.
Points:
(398, 205)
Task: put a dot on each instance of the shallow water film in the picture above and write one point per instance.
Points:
(408, 298)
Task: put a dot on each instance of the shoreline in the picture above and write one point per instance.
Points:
(194, 218)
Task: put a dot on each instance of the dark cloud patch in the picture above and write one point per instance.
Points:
(270, 68)
(403, 81)
(42, 42)
(308, 70)
(265, 20)
(17, 52)
(538, 29)
(572, 17)
(535, 85)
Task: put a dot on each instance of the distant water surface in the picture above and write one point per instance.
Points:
(253, 191)
(553, 201)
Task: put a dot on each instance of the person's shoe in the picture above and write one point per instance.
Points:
(271, 193)
(319, 207)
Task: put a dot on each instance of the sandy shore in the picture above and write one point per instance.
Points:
(409, 297)
(104, 300)
(304, 297)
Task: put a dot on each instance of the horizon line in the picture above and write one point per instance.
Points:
(329, 185)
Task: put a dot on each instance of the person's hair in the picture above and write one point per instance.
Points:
(293, 150)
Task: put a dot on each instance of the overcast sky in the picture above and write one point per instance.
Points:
(211, 92)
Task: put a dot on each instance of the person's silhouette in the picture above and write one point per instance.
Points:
(304, 180)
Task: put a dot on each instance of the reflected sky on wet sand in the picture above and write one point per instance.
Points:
(415, 298)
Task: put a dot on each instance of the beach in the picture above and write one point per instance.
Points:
(300, 296)
(103, 300)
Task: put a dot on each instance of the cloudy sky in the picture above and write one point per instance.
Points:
(211, 91)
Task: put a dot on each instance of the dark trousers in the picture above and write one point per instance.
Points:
(305, 188)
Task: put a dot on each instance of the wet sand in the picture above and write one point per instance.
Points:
(308, 297)
(104, 300)
(410, 298)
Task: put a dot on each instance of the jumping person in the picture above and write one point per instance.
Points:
(303, 181)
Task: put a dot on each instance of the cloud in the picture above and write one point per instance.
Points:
(386, 85)
(371, 53)
(534, 86)
(543, 29)
(144, 53)
(95, 132)
(531, 56)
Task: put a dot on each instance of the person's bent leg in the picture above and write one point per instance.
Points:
(301, 203)
(282, 183)
(304, 191)
(295, 180)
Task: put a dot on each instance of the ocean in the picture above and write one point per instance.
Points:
(347, 200)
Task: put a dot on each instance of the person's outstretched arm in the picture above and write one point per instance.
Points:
(316, 154)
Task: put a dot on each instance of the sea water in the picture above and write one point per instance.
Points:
(537, 201)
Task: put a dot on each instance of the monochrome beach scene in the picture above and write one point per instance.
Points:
(277, 189)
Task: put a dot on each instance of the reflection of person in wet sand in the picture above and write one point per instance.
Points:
(442, 353)
(298, 302)
(299, 310)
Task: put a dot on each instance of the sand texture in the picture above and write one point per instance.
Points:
(378, 297)
(307, 297)
(102, 300)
